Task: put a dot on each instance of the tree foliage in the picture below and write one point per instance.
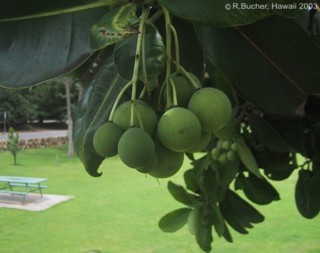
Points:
(13, 144)
(42, 102)
(18, 105)
(264, 59)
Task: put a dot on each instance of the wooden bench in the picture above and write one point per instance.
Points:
(21, 193)
(29, 184)
(28, 187)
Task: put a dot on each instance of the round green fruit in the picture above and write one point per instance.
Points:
(225, 133)
(219, 144)
(202, 143)
(168, 162)
(234, 147)
(150, 166)
(106, 138)
(215, 152)
(223, 158)
(226, 145)
(184, 87)
(231, 155)
(136, 148)
(122, 116)
(179, 129)
(212, 107)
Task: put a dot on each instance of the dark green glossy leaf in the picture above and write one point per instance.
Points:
(92, 111)
(238, 183)
(243, 209)
(231, 219)
(204, 237)
(35, 50)
(276, 166)
(192, 176)
(307, 194)
(299, 137)
(191, 180)
(238, 213)
(266, 134)
(309, 19)
(225, 13)
(209, 184)
(181, 195)
(222, 83)
(258, 190)
(228, 172)
(218, 220)
(258, 60)
(247, 157)
(16, 9)
(191, 55)
(316, 27)
(114, 26)
(151, 61)
(174, 220)
(194, 219)
(227, 235)
(316, 129)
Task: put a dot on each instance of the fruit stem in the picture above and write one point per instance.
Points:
(168, 94)
(139, 117)
(168, 54)
(189, 77)
(168, 41)
(144, 17)
(116, 102)
(161, 93)
(176, 45)
(174, 93)
(143, 57)
(143, 92)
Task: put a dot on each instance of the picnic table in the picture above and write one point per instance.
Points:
(21, 185)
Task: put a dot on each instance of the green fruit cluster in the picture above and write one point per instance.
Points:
(156, 145)
(137, 145)
(225, 151)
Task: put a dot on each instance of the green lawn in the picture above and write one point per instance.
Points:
(118, 213)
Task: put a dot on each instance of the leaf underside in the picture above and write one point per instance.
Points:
(35, 50)
(92, 111)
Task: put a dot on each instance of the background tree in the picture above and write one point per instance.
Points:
(13, 144)
(42, 102)
(18, 105)
(50, 99)
(264, 59)
(68, 81)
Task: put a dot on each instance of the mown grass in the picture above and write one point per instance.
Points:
(118, 213)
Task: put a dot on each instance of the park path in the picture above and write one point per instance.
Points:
(36, 134)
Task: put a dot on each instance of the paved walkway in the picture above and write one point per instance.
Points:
(33, 202)
(36, 134)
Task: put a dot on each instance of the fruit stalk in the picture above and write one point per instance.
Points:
(174, 93)
(116, 102)
(176, 45)
(144, 17)
(168, 53)
(195, 85)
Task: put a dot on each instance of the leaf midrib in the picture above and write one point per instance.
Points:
(273, 63)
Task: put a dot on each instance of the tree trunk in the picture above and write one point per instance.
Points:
(80, 93)
(15, 158)
(68, 82)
